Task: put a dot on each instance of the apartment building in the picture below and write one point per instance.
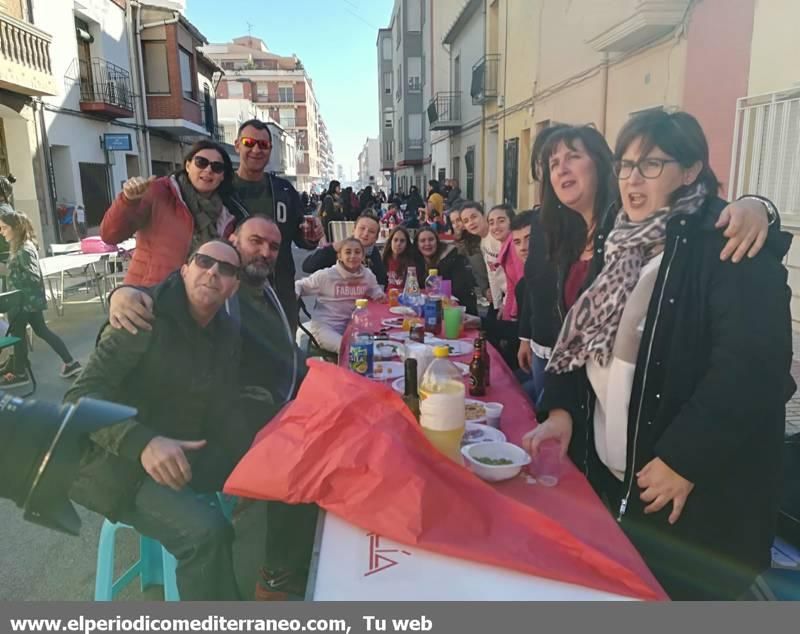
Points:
(233, 112)
(765, 157)
(118, 88)
(369, 165)
(280, 86)
(599, 63)
(401, 79)
(440, 16)
(24, 74)
(459, 111)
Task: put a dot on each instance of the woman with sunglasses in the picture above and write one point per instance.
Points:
(172, 215)
(669, 379)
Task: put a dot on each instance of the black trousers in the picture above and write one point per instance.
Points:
(19, 323)
(686, 571)
(195, 532)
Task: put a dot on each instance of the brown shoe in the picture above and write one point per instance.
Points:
(280, 585)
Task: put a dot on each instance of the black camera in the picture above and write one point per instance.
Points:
(40, 451)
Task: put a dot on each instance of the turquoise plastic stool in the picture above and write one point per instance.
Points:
(155, 566)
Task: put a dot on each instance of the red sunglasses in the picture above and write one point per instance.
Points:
(250, 142)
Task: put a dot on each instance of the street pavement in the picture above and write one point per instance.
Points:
(42, 565)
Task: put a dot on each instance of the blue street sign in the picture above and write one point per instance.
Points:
(117, 142)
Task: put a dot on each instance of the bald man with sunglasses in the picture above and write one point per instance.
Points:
(182, 377)
(257, 192)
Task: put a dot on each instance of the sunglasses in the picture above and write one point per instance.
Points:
(201, 162)
(250, 142)
(206, 262)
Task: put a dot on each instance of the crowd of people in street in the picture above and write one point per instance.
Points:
(646, 318)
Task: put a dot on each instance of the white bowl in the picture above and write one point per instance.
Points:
(495, 473)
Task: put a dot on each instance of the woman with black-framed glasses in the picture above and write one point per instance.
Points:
(580, 200)
(669, 378)
(172, 215)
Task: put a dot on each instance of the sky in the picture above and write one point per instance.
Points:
(335, 39)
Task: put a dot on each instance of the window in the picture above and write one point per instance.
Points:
(156, 78)
(286, 94)
(387, 83)
(235, 90)
(457, 73)
(187, 86)
(414, 17)
(414, 74)
(766, 157)
(262, 89)
(386, 48)
(287, 117)
(415, 131)
(388, 118)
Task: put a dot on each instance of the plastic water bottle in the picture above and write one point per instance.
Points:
(360, 353)
(412, 296)
(433, 283)
(442, 414)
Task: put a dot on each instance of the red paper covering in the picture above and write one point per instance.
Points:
(351, 446)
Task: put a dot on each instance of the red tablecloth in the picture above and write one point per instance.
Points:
(351, 446)
(573, 503)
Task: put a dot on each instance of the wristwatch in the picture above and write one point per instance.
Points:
(772, 211)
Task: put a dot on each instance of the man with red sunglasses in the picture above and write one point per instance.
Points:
(263, 193)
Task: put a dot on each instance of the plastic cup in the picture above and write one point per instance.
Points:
(453, 317)
(547, 464)
(493, 413)
(446, 288)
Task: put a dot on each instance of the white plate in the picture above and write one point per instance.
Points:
(477, 432)
(479, 419)
(404, 336)
(402, 310)
(457, 346)
(385, 370)
(386, 349)
(392, 322)
(400, 384)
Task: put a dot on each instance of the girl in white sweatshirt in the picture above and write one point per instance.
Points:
(337, 288)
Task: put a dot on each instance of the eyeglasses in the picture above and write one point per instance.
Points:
(206, 262)
(648, 167)
(250, 142)
(201, 162)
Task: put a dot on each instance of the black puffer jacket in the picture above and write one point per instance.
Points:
(711, 382)
(455, 267)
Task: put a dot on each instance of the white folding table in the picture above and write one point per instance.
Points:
(350, 564)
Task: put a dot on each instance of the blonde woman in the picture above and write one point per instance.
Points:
(25, 275)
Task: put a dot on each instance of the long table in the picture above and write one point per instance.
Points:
(55, 267)
(350, 564)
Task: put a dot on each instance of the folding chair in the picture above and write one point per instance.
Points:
(313, 349)
(8, 301)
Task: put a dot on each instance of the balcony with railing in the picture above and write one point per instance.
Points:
(444, 111)
(484, 78)
(262, 98)
(25, 58)
(105, 88)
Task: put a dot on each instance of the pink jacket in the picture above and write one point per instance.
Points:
(514, 269)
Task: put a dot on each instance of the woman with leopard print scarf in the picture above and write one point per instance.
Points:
(671, 372)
